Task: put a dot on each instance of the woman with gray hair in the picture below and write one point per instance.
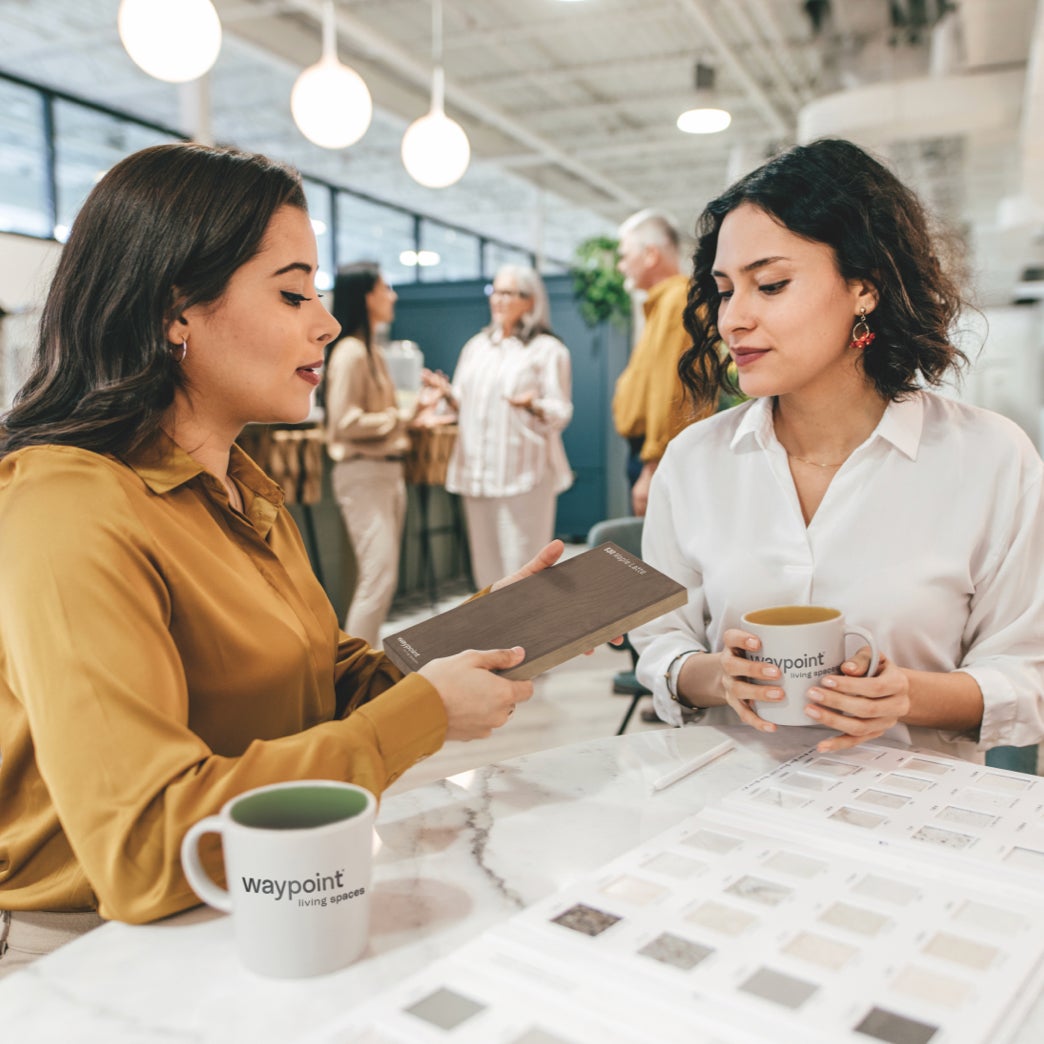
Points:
(512, 389)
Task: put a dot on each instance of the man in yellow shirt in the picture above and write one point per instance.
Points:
(649, 404)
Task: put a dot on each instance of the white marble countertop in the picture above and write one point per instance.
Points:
(455, 857)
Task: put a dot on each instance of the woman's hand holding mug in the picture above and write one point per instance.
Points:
(861, 708)
(789, 668)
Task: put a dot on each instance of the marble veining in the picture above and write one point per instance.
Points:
(455, 858)
(479, 823)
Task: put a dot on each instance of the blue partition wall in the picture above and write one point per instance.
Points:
(440, 317)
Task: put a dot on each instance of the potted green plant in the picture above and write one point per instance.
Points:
(597, 284)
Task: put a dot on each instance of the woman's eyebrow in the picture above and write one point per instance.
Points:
(293, 266)
(752, 266)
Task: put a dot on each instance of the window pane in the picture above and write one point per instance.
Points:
(369, 232)
(554, 268)
(23, 174)
(319, 206)
(497, 255)
(458, 253)
(87, 144)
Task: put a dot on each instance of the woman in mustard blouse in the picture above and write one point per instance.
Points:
(164, 643)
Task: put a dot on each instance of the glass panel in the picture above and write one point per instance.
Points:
(87, 144)
(370, 232)
(320, 205)
(497, 254)
(458, 253)
(553, 268)
(23, 172)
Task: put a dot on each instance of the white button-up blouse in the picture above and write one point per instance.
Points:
(931, 535)
(503, 450)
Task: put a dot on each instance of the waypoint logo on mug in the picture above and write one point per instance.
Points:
(806, 643)
(290, 889)
(799, 663)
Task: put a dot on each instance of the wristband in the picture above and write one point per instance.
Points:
(671, 690)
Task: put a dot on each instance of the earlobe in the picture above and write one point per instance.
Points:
(868, 298)
(177, 330)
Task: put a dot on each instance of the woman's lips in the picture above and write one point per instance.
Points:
(309, 374)
(745, 356)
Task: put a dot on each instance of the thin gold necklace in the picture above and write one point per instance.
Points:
(814, 463)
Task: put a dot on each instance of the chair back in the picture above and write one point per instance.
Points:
(627, 532)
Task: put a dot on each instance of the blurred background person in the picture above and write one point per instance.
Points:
(512, 390)
(367, 439)
(649, 404)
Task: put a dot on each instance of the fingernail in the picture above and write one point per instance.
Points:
(849, 666)
(828, 683)
(751, 643)
(775, 694)
(813, 712)
(771, 672)
(518, 649)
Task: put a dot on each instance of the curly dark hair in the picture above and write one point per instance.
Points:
(164, 230)
(833, 192)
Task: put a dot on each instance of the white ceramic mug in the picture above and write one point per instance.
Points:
(298, 862)
(806, 643)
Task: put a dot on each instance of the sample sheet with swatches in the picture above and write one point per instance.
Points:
(875, 895)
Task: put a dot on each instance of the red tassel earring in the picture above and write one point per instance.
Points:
(862, 335)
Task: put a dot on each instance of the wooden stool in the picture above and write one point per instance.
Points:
(426, 464)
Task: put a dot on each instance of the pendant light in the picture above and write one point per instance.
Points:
(435, 149)
(172, 40)
(705, 117)
(330, 102)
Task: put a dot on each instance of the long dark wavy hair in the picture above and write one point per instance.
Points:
(164, 230)
(351, 285)
(833, 192)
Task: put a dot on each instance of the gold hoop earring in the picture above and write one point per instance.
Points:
(862, 335)
(184, 351)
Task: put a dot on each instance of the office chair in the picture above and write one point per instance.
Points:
(627, 532)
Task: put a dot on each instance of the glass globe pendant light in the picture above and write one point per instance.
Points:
(435, 149)
(330, 103)
(172, 40)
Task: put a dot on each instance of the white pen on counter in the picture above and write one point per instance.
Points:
(691, 766)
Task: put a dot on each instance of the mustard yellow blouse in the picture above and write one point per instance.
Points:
(649, 400)
(160, 653)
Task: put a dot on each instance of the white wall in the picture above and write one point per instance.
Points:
(1006, 348)
(26, 266)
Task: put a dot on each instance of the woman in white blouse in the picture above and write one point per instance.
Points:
(512, 389)
(844, 482)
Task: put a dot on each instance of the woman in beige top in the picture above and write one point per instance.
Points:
(367, 440)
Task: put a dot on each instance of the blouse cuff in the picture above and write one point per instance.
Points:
(409, 723)
(653, 674)
(1000, 708)
(550, 414)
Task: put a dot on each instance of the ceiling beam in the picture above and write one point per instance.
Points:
(547, 28)
(562, 73)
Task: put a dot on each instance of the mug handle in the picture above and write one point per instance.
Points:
(867, 637)
(212, 894)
